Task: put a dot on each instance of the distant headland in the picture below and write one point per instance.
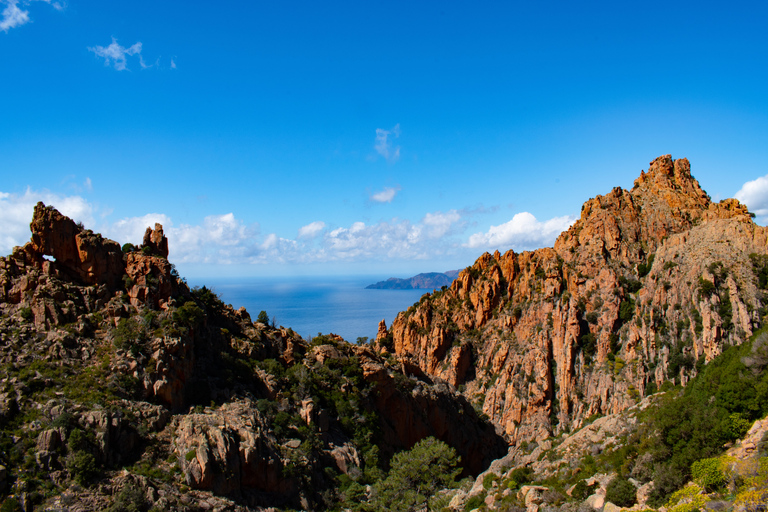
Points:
(429, 280)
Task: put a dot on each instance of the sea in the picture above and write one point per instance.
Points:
(313, 305)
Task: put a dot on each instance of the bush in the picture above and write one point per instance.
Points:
(621, 492)
(82, 467)
(416, 475)
(130, 499)
(706, 287)
(708, 473)
(263, 318)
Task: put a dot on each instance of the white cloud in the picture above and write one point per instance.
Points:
(440, 223)
(386, 195)
(754, 194)
(88, 184)
(225, 239)
(173, 64)
(523, 232)
(117, 55)
(311, 230)
(13, 16)
(16, 214)
(383, 144)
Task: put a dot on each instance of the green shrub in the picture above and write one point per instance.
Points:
(709, 474)
(706, 287)
(10, 505)
(621, 492)
(82, 467)
(644, 268)
(130, 499)
(26, 314)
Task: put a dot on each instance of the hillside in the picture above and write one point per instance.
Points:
(121, 386)
(645, 288)
(426, 281)
(123, 389)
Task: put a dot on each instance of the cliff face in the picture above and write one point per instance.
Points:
(645, 286)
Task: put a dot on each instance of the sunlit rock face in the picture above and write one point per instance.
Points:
(542, 340)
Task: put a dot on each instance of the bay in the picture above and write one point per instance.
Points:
(312, 305)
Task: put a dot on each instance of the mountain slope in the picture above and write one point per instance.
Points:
(120, 384)
(647, 285)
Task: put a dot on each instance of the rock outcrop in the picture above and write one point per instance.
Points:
(82, 254)
(644, 285)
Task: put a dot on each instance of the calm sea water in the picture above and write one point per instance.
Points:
(312, 305)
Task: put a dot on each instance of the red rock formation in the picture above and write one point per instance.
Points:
(80, 253)
(155, 240)
(544, 339)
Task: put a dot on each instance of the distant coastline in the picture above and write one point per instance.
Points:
(426, 281)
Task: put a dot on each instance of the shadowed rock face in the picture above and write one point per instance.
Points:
(546, 338)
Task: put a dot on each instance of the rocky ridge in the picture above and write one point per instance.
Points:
(120, 381)
(648, 285)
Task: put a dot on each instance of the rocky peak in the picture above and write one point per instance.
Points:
(156, 241)
(645, 284)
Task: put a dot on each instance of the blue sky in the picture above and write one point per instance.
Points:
(281, 138)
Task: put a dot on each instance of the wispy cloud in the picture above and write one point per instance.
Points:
(311, 230)
(522, 232)
(386, 195)
(13, 16)
(383, 145)
(754, 194)
(117, 55)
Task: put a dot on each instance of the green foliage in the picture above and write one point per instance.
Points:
(207, 298)
(581, 490)
(128, 247)
(626, 310)
(715, 408)
(631, 285)
(709, 474)
(760, 268)
(644, 268)
(130, 499)
(488, 480)
(416, 475)
(130, 335)
(82, 467)
(621, 492)
(26, 314)
(725, 310)
(10, 505)
(588, 344)
(706, 287)
(189, 314)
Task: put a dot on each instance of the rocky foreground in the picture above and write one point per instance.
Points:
(123, 389)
